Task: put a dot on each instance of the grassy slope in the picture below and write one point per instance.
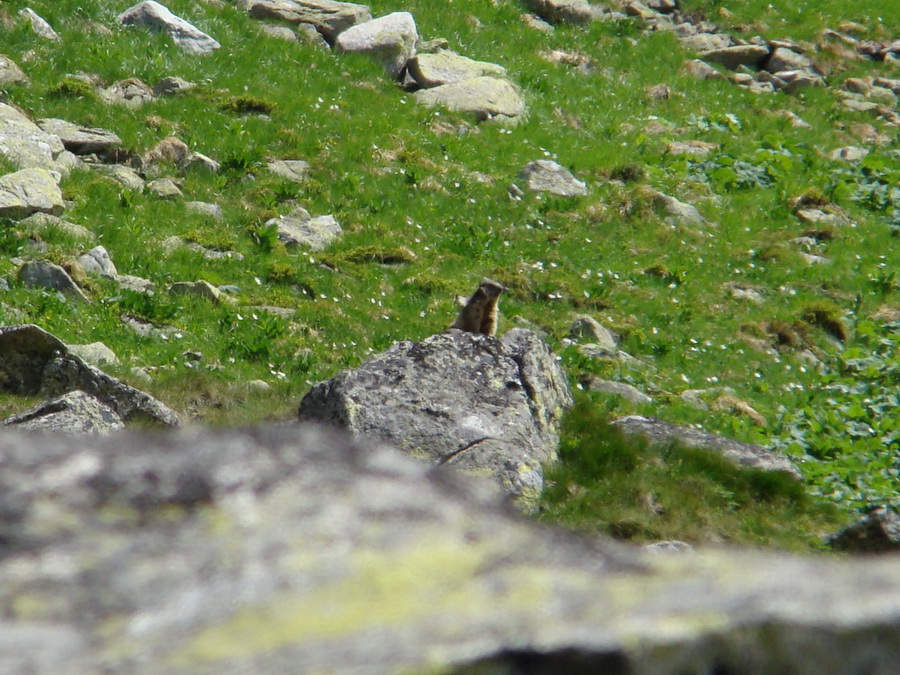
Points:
(391, 180)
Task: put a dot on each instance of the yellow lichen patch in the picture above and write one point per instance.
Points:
(382, 589)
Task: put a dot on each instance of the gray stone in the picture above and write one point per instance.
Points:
(741, 291)
(33, 361)
(737, 56)
(131, 93)
(743, 454)
(38, 24)
(676, 210)
(705, 42)
(485, 97)
(820, 217)
(559, 11)
(888, 83)
(82, 140)
(158, 17)
(848, 153)
(24, 144)
(699, 149)
(588, 329)
(171, 86)
(40, 223)
(173, 243)
(462, 398)
(201, 161)
(878, 531)
(30, 191)
(197, 289)
(165, 188)
(702, 70)
(291, 549)
(329, 18)
(128, 282)
(391, 39)
(544, 175)
(280, 32)
(97, 262)
(213, 211)
(537, 23)
(295, 170)
(95, 353)
(795, 80)
(622, 389)
(860, 106)
(10, 73)
(43, 274)
(72, 413)
(122, 174)
(444, 67)
(298, 228)
(786, 59)
(812, 259)
(662, 6)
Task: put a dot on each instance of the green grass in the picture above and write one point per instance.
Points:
(427, 213)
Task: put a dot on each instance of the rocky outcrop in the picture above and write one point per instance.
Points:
(32, 361)
(445, 67)
(460, 398)
(742, 454)
(293, 549)
(24, 144)
(81, 140)
(158, 17)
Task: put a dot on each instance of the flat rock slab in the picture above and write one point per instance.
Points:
(462, 398)
(743, 454)
(544, 175)
(485, 97)
(154, 15)
(39, 223)
(329, 18)
(292, 549)
(562, 11)
(72, 413)
(391, 39)
(30, 191)
(444, 67)
(24, 144)
(197, 289)
(298, 228)
(82, 140)
(33, 361)
(295, 170)
(737, 56)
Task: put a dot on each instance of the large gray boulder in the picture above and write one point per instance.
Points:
(745, 455)
(471, 400)
(32, 361)
(10, 73)
(158, 17)
(485, 97)
(72, 413)
(391, 39)
(30, 191)
(45, 274)
(329, 18)
(24, 144)
(295, 550)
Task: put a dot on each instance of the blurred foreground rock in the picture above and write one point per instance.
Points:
(295, 549)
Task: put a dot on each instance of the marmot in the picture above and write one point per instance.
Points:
(480, 313)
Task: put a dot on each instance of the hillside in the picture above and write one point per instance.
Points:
(768, 312)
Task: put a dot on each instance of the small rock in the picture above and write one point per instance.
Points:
(677, 210)
(169, 86)
(444, 67)
(622, 389)
(280, 32)
(199, 289)
(329, 18)
(164, 188)
(82, 140)
(537, 23)
(547, 176)
(213, 211)
(812, 259)
(734, 57)
(744, 292)
(10, 73)
(820, 217)
(43, 274)
(786, 59)
(39, 223)
(876, 532)
(693, 148)
(298, 228)
(295, 170)
(96, 262)
(128, 282)
(849, 153)
(485, 97)
(702, 70)
(588, 329)
(30, 191)
(95, 353)
(39, 25)
(124, 175)
(706, 42)
(132, 93)
(562, 11)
